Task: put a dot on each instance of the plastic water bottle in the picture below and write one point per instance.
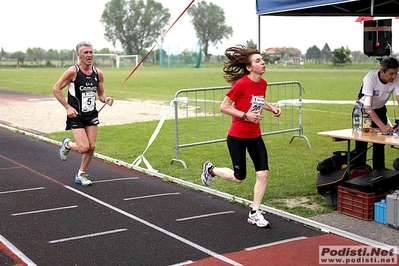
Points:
(357, 116)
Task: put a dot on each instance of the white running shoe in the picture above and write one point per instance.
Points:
(63, 152)
(258, 219)
(82, 180)
(206, 175)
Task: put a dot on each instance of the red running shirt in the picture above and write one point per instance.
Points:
(248, 96)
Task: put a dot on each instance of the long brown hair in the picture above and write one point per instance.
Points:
(239, 57)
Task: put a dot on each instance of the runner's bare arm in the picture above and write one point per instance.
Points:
(68, 76)
(100, 90)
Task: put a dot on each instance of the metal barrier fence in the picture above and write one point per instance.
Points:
(198, 120)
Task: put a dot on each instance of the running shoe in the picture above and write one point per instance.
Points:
(64, 150)
(82, 180)
(206, 176)
(258, 219)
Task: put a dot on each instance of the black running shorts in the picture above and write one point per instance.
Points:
(82, 121)
(256, 150)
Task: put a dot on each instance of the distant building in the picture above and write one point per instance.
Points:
(284, 54)
(271, 51)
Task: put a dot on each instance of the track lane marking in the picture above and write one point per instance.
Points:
(188, 262)
(204, 215)
(21, 190)
(44, 210)
(277, 242)
(153, 196)
(116, 179)
(33, 171)
(16, 251)
(10, 168)
(160, 229)
(87, 236)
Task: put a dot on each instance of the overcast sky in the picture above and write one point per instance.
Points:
(51, 24)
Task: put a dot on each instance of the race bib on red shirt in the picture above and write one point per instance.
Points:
(257, 104)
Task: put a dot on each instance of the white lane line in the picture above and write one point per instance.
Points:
(277, 242)
(160, 229)
(45, 210)
(21, 190)
(87, 236)
(204, 215)
(9, 168)
(153, 196)
(16, 251)
(183, 263)
(117, 179)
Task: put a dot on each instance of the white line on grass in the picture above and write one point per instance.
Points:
(329, 112)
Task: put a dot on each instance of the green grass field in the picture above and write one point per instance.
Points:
(293, 166)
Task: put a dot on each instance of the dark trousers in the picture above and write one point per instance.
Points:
(378, 149)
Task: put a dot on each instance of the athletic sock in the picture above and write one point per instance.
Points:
(211, 172)
(80, 172)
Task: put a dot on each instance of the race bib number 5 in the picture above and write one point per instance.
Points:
(88, 101)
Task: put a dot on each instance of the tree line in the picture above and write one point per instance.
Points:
(51, 58)
(137, 24)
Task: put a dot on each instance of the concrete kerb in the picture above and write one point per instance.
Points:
(229, 197)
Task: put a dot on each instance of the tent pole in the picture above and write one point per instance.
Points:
(259, 34)
(372, 8)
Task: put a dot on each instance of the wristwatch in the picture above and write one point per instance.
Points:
(244, 116)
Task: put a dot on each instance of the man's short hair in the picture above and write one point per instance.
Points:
(389, 62)
(82, 44)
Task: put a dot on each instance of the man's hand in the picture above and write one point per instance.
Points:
(109, 101)
(386, 128)
(71, 112)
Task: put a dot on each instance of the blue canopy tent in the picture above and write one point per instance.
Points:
(355, 8)
(377, 8)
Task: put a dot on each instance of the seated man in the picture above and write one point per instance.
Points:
(378, 85)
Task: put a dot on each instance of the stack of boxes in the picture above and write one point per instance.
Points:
(366, 197)
(356, 203)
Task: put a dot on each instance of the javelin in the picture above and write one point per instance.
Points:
(142, 60)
